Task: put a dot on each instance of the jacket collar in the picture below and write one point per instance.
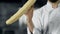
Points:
(49, 6)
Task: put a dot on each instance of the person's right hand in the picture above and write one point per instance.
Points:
(29, 15)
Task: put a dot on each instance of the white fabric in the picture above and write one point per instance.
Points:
(42, 17)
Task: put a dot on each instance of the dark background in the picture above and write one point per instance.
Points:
(7, 9)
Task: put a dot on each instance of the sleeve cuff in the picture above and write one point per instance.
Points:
(36, 31)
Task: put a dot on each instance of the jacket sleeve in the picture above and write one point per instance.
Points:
(35, 31)
(37, 21)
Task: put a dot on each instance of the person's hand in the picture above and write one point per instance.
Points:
(29, 15)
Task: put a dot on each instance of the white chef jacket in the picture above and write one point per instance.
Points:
(46, 19)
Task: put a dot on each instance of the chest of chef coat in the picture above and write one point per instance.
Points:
(47, 16)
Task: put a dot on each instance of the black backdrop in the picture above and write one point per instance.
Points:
(39, 3)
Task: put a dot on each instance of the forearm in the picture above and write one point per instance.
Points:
(29, 15)
(30, 25)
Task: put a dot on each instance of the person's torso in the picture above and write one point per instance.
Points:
(48, 16)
